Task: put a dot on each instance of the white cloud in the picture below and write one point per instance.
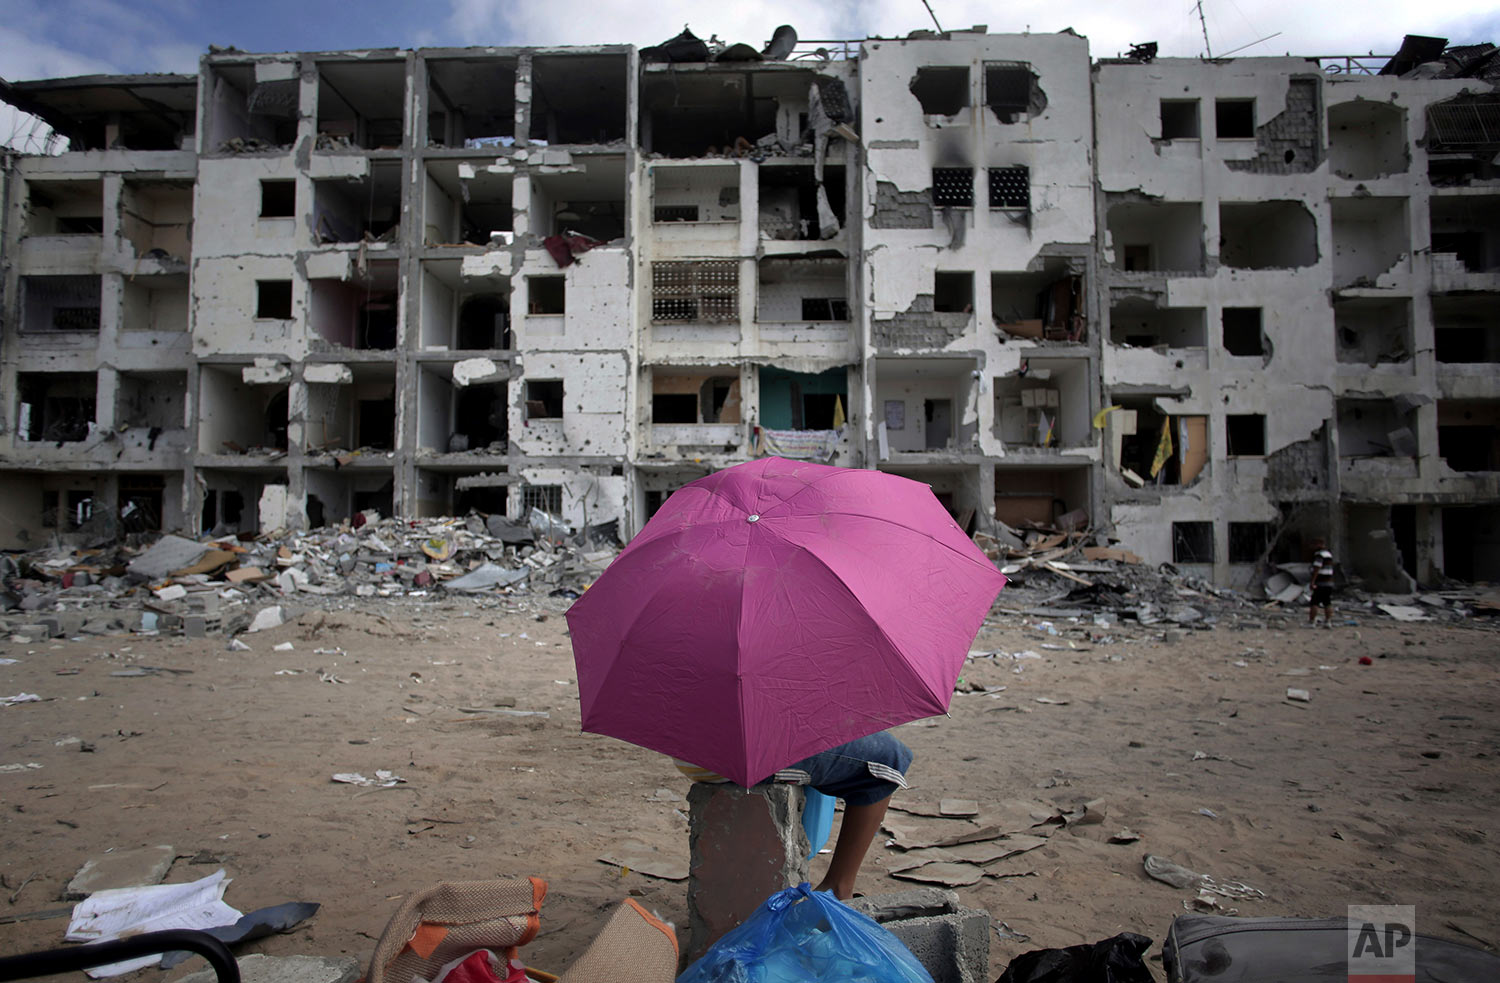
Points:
(1304, 28)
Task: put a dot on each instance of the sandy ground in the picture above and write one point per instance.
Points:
(1382, 789)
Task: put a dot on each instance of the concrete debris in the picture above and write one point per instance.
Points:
(227, 587)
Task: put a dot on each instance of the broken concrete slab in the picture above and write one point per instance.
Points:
(259, 968)
(122, 868)
(167, 554)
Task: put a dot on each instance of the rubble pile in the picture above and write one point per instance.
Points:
(1057, 573)
(223, 585)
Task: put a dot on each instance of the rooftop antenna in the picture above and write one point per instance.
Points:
(933, 16)
(1202, 21)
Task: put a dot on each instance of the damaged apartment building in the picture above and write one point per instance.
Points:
(1216, 308)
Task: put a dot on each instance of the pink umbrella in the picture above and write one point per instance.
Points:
(777, 609)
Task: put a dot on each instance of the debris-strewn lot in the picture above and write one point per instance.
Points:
(1089, 738)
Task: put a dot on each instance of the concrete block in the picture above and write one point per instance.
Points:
(259, 968)
(950, 941)
(195, 626)
(123, 868)
(744, 845)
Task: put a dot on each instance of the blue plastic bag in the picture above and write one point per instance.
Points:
(817, 818)
(801, 936)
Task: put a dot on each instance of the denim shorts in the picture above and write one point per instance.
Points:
(860, 772)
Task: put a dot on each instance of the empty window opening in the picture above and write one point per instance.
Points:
(363, 313)
(361, 104)
(278, 199)
(578, 98)
(484, 499)
(363, 209)
(1372, 331)
(1246, 434)
(1367, 139)
(797, 289)
(590, 202)
(1179, 119)
(55, 406)
(825, 309)
(1156, 237)
(1370, 238)
(802, 401)
(674, 407)
(705, 291)
(273, 299)
(546, 295)
(696, 194)
(480, 417)
(1154, 447)
(1031, 497)
(1465, 330)
(477, 210)
(1249, 542)
(1243, 333)
(1267, 235)
(139, 502)
(789, 202)
(60, 303)
(544, 399)
(1046, 405)
(223, 509)
(674, 213)
(471, 102)
(1469, 434)
(733, 113)
(1234, 119)
(67, 510)
(377, 423)
(1048, 304)
(152, 401)
(64, 208)
(953, 186)
(239, 417)
(246, 115)
(695, 399)
(1142, 325)
(1375, 428)
(953, 292)
(156, 217)
(484, 323)
(941, 91)
(1010, 187)
(1463, 137)
(1466, 230)
(1012, 91)
(155, 303)
(1192, 542)
(548, 498)
(1471, 543)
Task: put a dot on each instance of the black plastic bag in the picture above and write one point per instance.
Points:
(1114, 960)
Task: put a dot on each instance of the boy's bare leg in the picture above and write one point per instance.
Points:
(856, 833)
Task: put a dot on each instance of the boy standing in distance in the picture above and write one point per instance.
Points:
(1322, 585)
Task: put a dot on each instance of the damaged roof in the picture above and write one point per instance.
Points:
(158, 104)
(1424, 57)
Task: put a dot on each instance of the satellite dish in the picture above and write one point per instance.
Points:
(782, 43)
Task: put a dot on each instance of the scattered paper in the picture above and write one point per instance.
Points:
(9, 701)
(1300, 695)
(21, 766)
(284, 647)
(382, 779)
(125, 911)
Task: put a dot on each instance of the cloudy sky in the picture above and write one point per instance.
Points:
(55, 38)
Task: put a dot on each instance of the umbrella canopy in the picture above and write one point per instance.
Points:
(777, 609)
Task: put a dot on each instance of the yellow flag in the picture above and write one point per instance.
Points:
(838, 412)
(1163, 447)
(1099, 417)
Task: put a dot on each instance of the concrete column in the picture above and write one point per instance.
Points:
(744, 845)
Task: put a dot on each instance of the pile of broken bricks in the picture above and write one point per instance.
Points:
(224, 585)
